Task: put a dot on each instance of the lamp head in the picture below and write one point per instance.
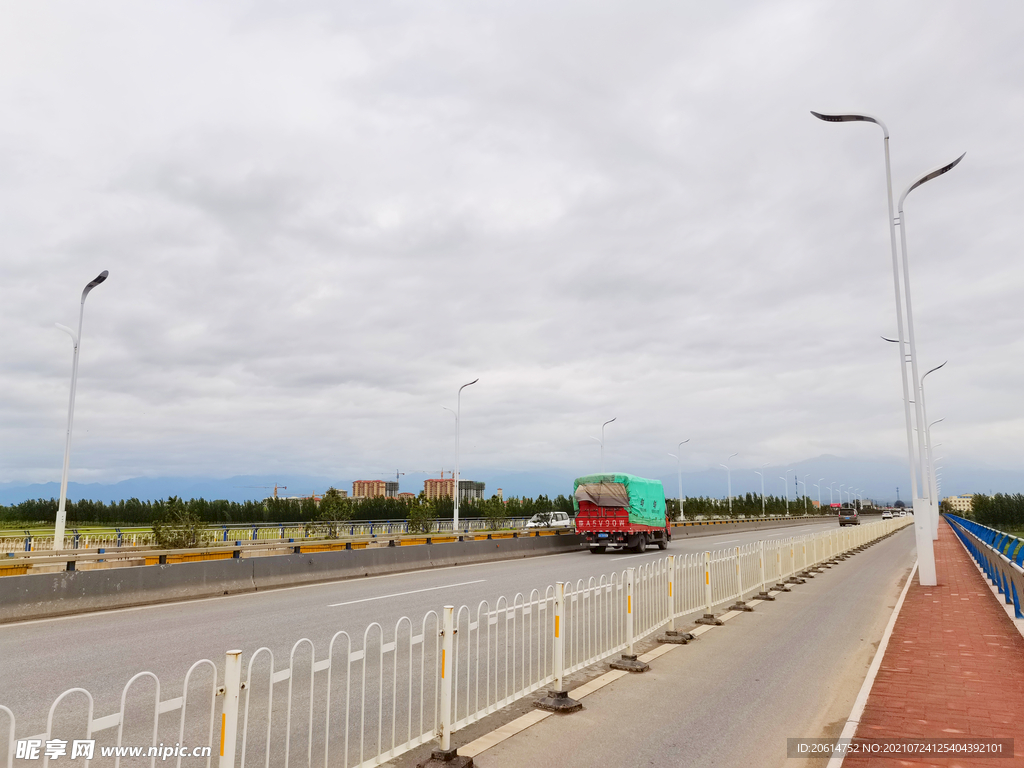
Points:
(96, 281)
(851, 118)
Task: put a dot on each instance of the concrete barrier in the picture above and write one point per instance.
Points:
(35, 596)
(43, 595)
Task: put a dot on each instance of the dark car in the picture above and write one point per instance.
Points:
(848, 517)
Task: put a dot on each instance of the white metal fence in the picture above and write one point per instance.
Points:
(365, 700)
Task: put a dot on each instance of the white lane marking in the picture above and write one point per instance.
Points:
(402, 594)
(626, 557)
(728, 541)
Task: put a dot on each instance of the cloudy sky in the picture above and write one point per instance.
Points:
(321, 218)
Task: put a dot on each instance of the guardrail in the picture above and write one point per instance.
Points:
(20, 561)
(87, 538)
(1000, 555)
(30, 541)
(364, 704)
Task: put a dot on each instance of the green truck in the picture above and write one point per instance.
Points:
(619, 510)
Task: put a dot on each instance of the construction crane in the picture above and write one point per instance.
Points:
(397, 474)
(275, 486)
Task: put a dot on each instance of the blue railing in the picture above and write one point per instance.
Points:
(1000, 555)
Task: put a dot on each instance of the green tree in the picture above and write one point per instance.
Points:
(179, 528)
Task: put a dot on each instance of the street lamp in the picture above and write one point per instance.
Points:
(831, 500)
(932, 490)
(932, 485)
(729, 473)
(841, 486)
(786, 478)
(895, 271)
(816, 485)
(76, 339)
(761, 473)
(932, 515)
(458, 425)
(926, 554)
(601, 441)
(679, 470)
(805, 493)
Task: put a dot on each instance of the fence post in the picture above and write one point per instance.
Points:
(229, 713)
(448, 635)
(558, 699)
(740, 605)
(671, 635)
(793, 578)
(763, 594)
(709, 616)
(629, 661)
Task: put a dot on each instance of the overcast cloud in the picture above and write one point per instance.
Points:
(320, 219)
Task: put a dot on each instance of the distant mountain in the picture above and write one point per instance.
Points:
(879, 480)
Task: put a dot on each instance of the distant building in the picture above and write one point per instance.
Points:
(406, 495)
(370, 489)
(962, 503)
(501, 496)
(435, 488)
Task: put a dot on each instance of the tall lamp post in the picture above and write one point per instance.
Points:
(932, 490)
(679, 471)
(729, 475)
(831, 489)
(926, 554)
(931, 517)
(804, 481)
(818, 486)
(932, 485)
(76, 340)
(761, 474)
(601, 441)
(458, 427)
(786, 478)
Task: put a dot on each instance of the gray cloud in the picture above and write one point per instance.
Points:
(321, 219)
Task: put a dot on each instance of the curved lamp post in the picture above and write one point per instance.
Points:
(932, 490)
(895, 271)
(926, 555)
(679, 471)
(818, 486)
(458, 426)
(601, 441)
(786, 478)
(931, 512)
(76, 339)
(761, 474)
(729, 474)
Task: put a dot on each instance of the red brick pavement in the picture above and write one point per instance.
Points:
(954, 667)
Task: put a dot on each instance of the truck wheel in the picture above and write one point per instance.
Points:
(663, 543)
(641, 544)
(598, 550)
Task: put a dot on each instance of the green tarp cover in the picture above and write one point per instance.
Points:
(646, 497)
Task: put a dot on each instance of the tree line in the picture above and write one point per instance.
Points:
(334, 506)
(1003, 511)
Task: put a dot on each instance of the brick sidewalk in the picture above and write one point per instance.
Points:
(954, 667)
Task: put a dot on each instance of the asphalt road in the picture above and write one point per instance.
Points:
(101, 651)
(791, 669)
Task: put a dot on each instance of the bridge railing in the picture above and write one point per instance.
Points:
(362, 700)
(1000, 555)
